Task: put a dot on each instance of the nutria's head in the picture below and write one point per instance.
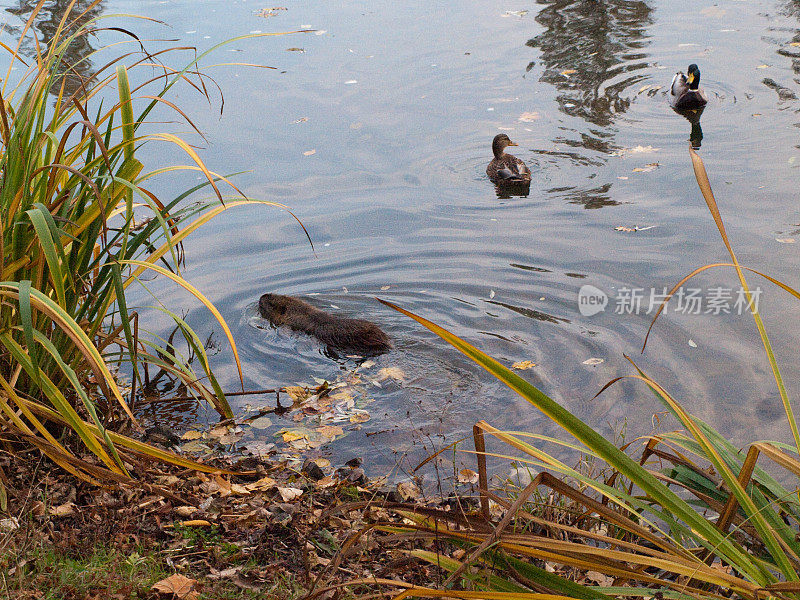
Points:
(500, 142)
(273, 307)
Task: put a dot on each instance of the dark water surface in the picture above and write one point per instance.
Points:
(400, 106)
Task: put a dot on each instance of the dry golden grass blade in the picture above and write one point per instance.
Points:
(708, 196)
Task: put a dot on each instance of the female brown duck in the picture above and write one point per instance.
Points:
(505, 168)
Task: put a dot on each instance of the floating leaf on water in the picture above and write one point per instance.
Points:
(259, 448)
(367, 364)
(297, 393)
(785, 240)
(385, 287)
(391, 373)
(329, 432)
(623, 228)
(219, 431)
(295, 49)
(191, 435)
(261, 423)
(300, 120)
(321, 32)
(467, 476)
(795, 44)
(491, 293)
(515, 13)
(593, 361)
(647, 168)
(291, 436)
(230, 438)
(692, 344)
(195, 446)
(528, 117)
(635, 150)
(361, 416)
(351, 81)
(762, 67)
(523, 365)
(322, 463)
(310, 152)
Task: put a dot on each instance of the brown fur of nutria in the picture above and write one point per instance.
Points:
(355, 335)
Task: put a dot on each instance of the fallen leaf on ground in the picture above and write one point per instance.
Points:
(568, 72)
(523, 365)
(593, 361)
(408, 490)
(191, 435)
(65, 510)
(289, 493)
(177, 584)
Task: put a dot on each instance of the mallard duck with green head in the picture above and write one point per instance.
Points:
(505, 168)
(685, 92)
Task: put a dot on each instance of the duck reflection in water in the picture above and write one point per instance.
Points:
(693, 116)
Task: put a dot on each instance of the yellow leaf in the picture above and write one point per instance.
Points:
(291, 436)
(297, 393)
(568, 72)
(523, 365)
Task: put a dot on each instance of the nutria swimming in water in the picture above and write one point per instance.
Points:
(356, 335)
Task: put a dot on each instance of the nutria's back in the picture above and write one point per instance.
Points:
(339, 332)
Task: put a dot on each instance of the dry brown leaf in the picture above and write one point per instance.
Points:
(359, 417)
(330, 431)
(297, 393)
(568, 72)
(467, 476)
(523, 365)
(65, 510)
(408, 490)
(325, 482)
(265, 483)
(288, 493)
(178, 585)
(191, 435)
(185, 511)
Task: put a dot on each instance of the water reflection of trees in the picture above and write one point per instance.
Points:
(79, 65)
(594, 41)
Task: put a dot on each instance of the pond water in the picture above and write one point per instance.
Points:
(399, 108)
